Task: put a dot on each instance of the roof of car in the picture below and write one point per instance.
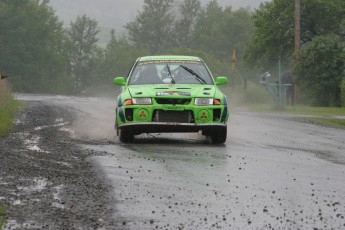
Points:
(169, 57)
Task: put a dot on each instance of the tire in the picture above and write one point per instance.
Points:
(116, 127)
(125, 136)
(218, 136)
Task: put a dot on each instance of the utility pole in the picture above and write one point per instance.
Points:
(297, 44)
(297, 24)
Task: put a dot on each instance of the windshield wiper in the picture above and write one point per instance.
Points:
(169, 74)
(197, 77)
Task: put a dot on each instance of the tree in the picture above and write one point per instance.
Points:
(321, 69)
(206, 33)
(274, 22)
(83, 50)
(321, 22)
(119, 55)
(32, 47)
(152, 28)
(184, 27)
(219, 31)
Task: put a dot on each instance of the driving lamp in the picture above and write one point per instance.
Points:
(142, 101)
(203, 101)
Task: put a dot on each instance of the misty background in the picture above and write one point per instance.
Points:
(78, 47)
(114, 14)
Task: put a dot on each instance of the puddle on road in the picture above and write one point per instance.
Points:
(336, 157)
(36, 185)
(32, 144)
(59, 122)
(183, 182)
(57, 200)
(197, 186)
(14, 224)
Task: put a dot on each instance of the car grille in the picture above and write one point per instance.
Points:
(173, 101)
(173, 116)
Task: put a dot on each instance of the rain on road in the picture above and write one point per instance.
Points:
(273, 172)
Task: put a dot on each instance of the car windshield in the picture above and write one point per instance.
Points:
(170, 72)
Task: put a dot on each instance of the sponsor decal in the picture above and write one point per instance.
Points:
(225, 100)
(142, 115)
(203, 116)
(173, 93)
(122, 115)
(225, 113)
(119, 104)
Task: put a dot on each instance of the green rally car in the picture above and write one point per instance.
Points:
(171, 94)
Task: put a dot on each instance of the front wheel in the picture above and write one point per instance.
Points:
(125, 136)
(218, 136)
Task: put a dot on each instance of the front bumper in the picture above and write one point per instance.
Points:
(170, 127)
(172, 113)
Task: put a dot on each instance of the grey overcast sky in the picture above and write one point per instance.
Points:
(116, 13)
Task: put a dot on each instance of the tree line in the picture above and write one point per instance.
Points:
(319, 66)
(43, 56)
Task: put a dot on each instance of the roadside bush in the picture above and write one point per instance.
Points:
(342, 93)
(8, 107)
(320, 70)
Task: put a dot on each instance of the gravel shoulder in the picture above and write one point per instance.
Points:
(46, 180)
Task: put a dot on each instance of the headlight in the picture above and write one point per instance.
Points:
(142, 101)
(203, 101)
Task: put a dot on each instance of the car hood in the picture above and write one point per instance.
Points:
(165, 90)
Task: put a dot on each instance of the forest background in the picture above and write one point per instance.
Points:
(41, 54)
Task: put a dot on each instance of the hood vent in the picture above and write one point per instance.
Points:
(162, 88)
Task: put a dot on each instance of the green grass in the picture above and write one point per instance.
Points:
(299, 110)
(8, 108)
(2, 217)
(317, 113)
(321, 111)
(337, 123)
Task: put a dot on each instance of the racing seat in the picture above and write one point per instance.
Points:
(149, 75)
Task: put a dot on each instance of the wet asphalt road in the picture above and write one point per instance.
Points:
(273, 172)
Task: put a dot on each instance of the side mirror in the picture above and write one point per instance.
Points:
(3, 76)
(119, 81)
(221, 80)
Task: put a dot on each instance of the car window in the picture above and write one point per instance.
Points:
(181, 72)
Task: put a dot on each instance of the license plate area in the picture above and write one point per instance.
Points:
(185, 116)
